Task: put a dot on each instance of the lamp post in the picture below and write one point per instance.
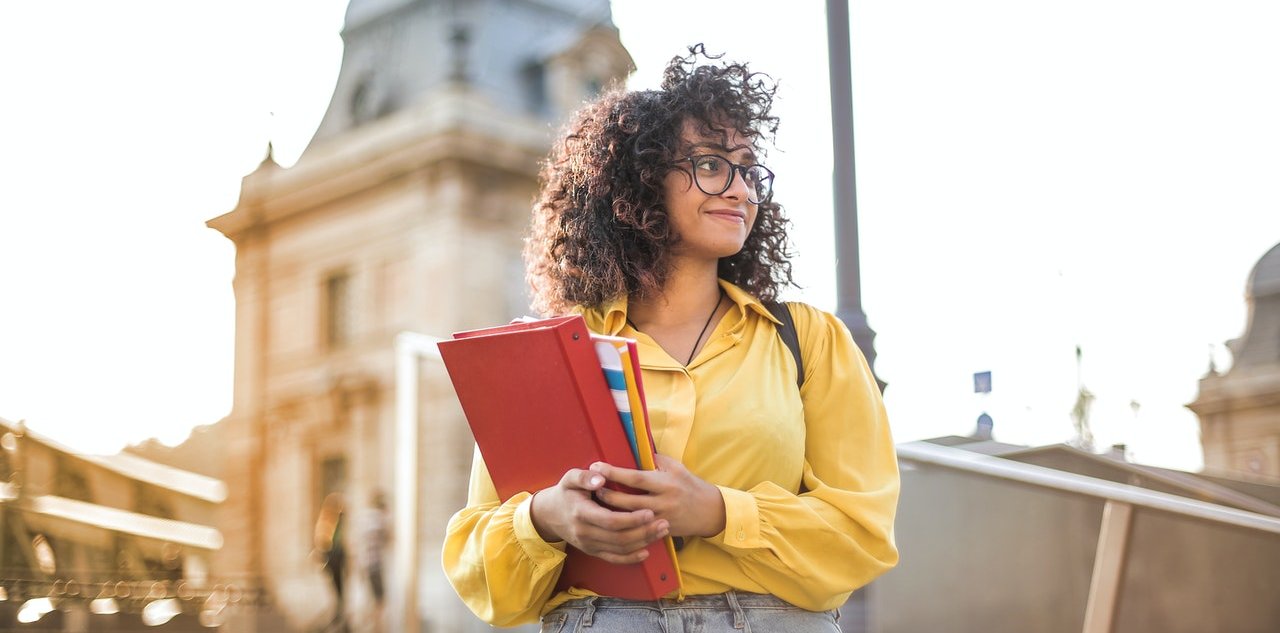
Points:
(848, 272)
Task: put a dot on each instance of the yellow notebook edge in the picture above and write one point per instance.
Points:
(640, 419)
(639, 416)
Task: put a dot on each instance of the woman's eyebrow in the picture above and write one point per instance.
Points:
(750, 155)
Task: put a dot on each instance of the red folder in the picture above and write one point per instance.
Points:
(537, 402)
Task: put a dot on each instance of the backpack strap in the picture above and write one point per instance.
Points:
(790, 338)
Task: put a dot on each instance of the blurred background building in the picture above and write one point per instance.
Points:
(1239, 410)
(106, 543)
(405, 213)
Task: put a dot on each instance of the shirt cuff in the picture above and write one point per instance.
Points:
(741, 520)
(538, 550)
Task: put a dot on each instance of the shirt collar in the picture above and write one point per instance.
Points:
(610, 317)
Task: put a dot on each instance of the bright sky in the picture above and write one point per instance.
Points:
(1031, 176)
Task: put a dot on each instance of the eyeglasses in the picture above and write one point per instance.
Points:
(714, 175)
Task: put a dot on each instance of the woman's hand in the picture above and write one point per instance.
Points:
(688, 503)
(567, 511)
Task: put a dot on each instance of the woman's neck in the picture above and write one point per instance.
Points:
(689, 293)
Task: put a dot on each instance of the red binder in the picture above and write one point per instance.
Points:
(537, 402)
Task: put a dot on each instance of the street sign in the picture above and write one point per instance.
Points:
(982, 382)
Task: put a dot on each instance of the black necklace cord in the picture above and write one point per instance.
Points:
(719, 298)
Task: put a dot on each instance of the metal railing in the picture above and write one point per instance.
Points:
(1117, 515)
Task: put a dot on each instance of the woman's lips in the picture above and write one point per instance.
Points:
(733, 215)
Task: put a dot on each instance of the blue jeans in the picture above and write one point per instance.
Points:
(732, 612)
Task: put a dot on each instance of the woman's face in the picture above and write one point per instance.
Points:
(709, 226)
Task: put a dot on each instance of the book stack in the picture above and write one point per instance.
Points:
(543, 397)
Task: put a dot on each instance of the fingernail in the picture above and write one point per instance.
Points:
(596, 481)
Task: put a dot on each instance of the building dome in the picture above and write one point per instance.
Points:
(536, 60)
(1260, 344)
(1239, 411)
(1265, 278)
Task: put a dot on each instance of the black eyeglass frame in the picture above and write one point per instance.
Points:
(735, 170)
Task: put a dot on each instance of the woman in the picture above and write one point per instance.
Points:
(656, 222)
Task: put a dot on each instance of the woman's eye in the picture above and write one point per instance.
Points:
(708, 165)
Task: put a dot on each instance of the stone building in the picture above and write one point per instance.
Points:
(1240, 410)
(405, 213)
(103, 538)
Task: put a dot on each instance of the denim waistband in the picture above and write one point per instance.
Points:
(732, 600)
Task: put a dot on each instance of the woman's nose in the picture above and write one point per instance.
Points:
(738, 188)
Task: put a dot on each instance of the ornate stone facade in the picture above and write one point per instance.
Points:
(92, 530)
(405, 214)
(1240, 410)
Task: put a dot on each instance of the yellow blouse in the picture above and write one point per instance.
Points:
(809, 478)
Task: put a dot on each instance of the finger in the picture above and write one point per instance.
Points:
(579, 479)
(600, 543)
(662, 462)
(624, 559)
(598, 516)
(639, 479)
(625, 502)
(623, 542)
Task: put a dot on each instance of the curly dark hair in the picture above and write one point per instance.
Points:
(600, 227)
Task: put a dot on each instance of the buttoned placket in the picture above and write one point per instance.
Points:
(672, 438)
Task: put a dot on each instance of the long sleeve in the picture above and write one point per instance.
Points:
(813, 548)
(809, 477)
(494, 558)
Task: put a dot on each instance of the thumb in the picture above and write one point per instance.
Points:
(582, 479)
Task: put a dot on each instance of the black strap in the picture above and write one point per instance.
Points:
(790, 338)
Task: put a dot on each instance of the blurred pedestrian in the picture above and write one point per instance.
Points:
(375, 536)
(330, 546)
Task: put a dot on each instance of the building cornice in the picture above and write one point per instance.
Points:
(453, 125)
(133, 467)
(1242, 388)
(116, 520)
